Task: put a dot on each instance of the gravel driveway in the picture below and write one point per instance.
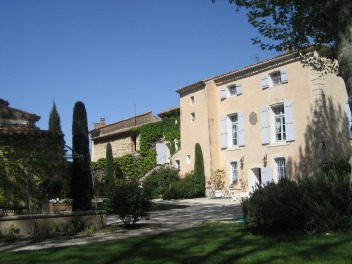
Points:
(199, 211)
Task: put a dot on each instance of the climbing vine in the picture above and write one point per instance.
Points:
(136, 166)
(31, 164)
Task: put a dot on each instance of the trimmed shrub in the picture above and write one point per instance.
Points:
(131, 202)
(159, 181)
(199, 166)
(187, 188)
(319, 203)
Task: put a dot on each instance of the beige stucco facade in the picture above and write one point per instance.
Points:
(309, 105)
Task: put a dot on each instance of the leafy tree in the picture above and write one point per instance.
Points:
(295, 24)
(199, 165)
(109, 166)
(81, 181)
(54, 119)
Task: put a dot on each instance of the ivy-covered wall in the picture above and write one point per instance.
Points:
(135, 166)
(31, 163)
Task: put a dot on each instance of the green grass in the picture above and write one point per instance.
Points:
(208, 243)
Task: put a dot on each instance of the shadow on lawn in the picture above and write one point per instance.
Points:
(209, 243)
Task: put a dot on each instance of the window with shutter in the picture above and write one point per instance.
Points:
(265, 81)
(231, 90)
(266, 175)
(223, 132)
(264, 119)
(290, 135)
(241, 135)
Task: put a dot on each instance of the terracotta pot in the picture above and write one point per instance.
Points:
(60, 208)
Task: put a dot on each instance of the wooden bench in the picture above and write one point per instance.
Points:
(5, 209)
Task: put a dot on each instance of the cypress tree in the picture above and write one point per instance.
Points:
(199, 168)
(81, 181)
(109, 166)
(54, 119)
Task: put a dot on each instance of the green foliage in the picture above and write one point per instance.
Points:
(135, 166)
(73, 228)
(81, 182)
(54, 119)
(11, 233)
(319, 203)
(337, 165)
(109, 165)
(199, 166)
(188, 187)
(160, 181)
(53, 229)
(34, 163)
(131, 202)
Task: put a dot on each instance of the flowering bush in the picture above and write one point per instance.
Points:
(60, 201)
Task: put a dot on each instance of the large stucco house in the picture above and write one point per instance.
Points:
(276, 118)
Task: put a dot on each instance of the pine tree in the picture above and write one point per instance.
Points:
(81, 181)
(199, 168)
(54, 119)
(109, 166)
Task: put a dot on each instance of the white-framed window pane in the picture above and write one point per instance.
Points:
(279, 119)
(233, 90)
(193, 117)
(234, 172)
(188, 159)
(275, 78)
(234, 128)
(280, 168)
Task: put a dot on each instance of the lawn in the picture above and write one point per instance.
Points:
(207, 243)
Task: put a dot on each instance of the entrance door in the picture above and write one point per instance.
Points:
(259, 176)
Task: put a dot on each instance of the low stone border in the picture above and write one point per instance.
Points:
(24, 226)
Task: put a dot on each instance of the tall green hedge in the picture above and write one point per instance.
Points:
(81, 182)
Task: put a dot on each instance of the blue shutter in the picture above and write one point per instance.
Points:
(223, 132)
(349, 119)
(241, 138)
(290, 131)
(223, 93)
(266, 175)
(264, 119)
(284, 78)
(265, 81)
(239, 88)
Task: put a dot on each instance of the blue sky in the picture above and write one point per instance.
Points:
(115, 54)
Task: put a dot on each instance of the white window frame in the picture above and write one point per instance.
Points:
(269, 124)
(274, 78)
(233, 172)
(278, 123)
(191, 101)
(193, 117)
(225, 91)
(280, 168)
(188, 159)
(233, 129)
(227, 132)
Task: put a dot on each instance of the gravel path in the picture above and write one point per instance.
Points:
(200, 210)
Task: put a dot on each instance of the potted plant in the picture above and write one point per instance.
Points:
(57, 206)
(218, 181)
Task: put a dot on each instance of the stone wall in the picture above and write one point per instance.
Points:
(38, 225)
(119, 146)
